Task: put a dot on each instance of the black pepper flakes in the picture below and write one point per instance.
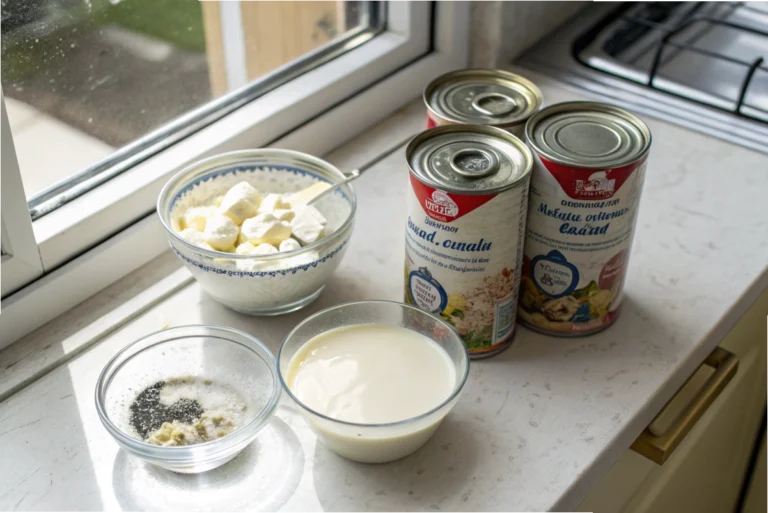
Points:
(148, 413)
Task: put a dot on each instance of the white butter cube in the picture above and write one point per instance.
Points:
(284, 214)
(240, 202)
(250, 249)
(289, 245)
(266, 228)
(272, 202)
(195, 217)
(247, 191)
(245, 248)
(264, 249)
(220, 232)
(306, 228)
(192, 236)
(255, 265)
(288, 197)
(309, 210)
(261, 249)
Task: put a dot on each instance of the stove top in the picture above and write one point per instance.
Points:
(703, 65)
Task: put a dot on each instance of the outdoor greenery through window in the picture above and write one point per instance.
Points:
(83, 79)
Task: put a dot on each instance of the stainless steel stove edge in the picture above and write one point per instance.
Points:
(552, 57)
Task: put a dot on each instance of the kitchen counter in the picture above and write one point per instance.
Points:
(537, 426)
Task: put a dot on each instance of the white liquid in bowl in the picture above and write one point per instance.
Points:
(372, 374)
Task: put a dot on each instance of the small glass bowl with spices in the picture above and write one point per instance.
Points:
(189, 398)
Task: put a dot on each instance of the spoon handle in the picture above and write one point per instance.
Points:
(349, 177)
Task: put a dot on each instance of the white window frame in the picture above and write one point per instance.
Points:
(116, 220)
(20, 261)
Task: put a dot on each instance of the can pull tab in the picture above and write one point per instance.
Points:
(494, 104)
(474, 162)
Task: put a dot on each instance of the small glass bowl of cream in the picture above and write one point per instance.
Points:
(373, 379)
(188, 398)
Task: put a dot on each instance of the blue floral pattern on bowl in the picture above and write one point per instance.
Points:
(241, 274)
(262, 285)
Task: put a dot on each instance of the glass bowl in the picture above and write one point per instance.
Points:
(268, 284)
(376, 443)
(223, 355)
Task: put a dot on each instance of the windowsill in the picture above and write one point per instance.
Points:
(92, 320)
(86, 245)
(538, 425)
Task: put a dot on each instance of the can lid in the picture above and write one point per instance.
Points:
(588, 134)
(469, 159)
(483, 97)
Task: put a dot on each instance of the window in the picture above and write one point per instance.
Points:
(140, 93)
(103, 80)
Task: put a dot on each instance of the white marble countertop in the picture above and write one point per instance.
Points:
(537, 426)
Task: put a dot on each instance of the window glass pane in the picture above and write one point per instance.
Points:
(83, 78)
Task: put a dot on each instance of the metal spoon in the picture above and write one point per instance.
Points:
(351, 176)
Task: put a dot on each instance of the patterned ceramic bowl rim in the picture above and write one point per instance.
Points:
(288, 160)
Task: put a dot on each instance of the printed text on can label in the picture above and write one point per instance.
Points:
(580, 227)
(463, 253)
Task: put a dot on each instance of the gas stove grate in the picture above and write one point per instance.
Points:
(655, 29)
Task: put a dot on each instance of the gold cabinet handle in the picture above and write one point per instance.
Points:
(658, 448)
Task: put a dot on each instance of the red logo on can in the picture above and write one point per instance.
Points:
(446, 207)
(589, 184)
(441, 204)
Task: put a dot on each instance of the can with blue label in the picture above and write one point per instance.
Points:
(467, 205)
(589, 166)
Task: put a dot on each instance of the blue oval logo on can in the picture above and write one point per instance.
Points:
(554, 275)
(426, 292)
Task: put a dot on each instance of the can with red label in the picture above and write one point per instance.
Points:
(467, 203)
(486, 97)
(589, 165)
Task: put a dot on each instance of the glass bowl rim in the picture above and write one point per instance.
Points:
(241, 157)
(461, 382)
(184, 452)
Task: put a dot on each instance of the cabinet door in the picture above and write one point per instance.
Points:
(756, 500)
(706, 471)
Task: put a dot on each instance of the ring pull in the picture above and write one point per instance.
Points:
(474, 162)
(494, 104)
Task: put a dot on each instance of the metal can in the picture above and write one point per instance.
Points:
(590, 161)
(464, 235)
(482, 97)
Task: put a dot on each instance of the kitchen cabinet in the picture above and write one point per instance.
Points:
(756, 500)
(706, 472)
